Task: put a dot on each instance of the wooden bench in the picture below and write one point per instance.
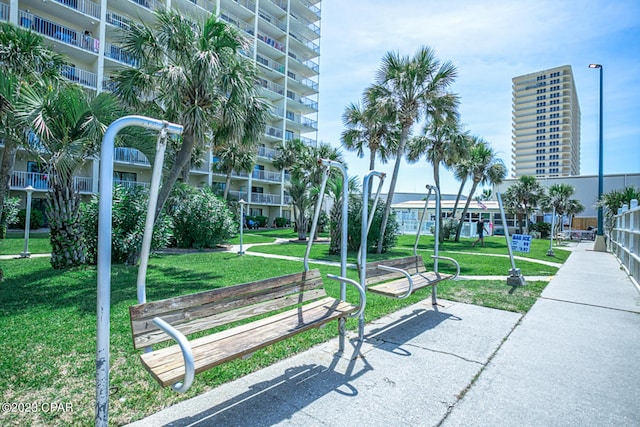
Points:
(302, 295)
(399, 278)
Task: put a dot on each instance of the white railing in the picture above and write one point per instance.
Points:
(267, 153)
(118, 54)
(266, 175)
(4, 12)
(625, 238)
(40, 181)
(130, 155)
(78, 75)
(85, 6)
(58, 32)
(130, 184)
(265, 198)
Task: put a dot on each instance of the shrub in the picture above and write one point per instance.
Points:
(9, 214)
(36, 219)
(258, 220)
(543, 228)
(281, 222)
(355, 224)
(200, 218)
(129, 213)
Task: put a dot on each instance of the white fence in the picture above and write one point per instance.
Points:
(409, 226)
(625, 238)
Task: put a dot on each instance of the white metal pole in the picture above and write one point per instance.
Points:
(104, 253)
(27, 223)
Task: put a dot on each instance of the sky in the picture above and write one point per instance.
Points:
(489, 42)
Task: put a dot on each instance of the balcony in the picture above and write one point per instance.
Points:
(130, 155)
(4, 12)
(40, 181)
(80, 76)
(118, 54)
(85, 6)
(273, 132)
(266, 175)
(58, 32)
(267, 153)
(130, 184)
(265, 198)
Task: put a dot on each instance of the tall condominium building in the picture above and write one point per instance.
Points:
(546, 124)
(284, 35)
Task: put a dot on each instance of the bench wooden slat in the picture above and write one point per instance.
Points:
(206, 310)
(400, 287)
(166, 365)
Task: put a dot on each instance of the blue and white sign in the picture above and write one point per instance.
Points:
(521, 243)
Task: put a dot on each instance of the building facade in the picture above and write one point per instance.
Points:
(284, 35)
(546, 124)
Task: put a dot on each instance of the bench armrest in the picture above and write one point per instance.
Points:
(187, 354)
(363, 294)
(446, 258)
(406, 274)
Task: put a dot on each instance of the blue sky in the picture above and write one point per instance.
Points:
(490, 42)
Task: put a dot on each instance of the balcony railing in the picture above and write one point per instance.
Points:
(118, 54)
(268, 153)
(266, 175)
(118, 20)
(130, 155)
(85, 6)
(273, 132)
(78, 75)
(274, 65)
(40, 181)
(273, 87)
(4, 12)
(58, 32)
(265, 198)
(149, 4)
(130, 184)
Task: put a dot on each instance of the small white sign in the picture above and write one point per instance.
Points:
(521, 243)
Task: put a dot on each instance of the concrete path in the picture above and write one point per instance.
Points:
(572, 360)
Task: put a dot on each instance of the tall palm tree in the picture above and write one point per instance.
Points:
(558, 199)
(406, 89)
(522, 198)
(234, 156)
(302, 162)
(23, 58)
(485, 168)
(188, 72)
(68, 124)
(367, 128)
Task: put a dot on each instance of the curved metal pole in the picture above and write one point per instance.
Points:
(364, 233)
(434, 290)
(316, 214)
(424, 213)
(145, 252)
(104, 252)
(187, 355)
(365, 181)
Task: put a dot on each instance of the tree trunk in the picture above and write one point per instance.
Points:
(392, 186)
(227, 184)
(183, 157)
(372, 166)
(464, 211)
(6, 169)
(455, 206)
(436, 178)
(67, 244)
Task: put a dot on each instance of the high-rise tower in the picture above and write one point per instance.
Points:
(546, 124)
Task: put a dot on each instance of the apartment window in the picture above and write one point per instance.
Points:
(554, 157)
(540, 151)
(554, 170)
(542, 77)
(540, 130)
(554, 150)
(288, 135)
(540, 144)
(540, 157)
(541, 90)
(553, 143)
(255, 212)
(539, 171)
(541, 104)
(540, 137)
(554, 102)
(259, 190)
(541, 97)
(291, 74)
(125, 176)
(554, 129)
(540, 165)
(554, 95)
(554, 163)
(541, 110)
(541, 124)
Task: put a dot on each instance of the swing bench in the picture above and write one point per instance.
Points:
(401, 277)
(242, 318)
(261, 302)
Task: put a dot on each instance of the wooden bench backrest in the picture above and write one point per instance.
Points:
(412, 264)
(209, 309)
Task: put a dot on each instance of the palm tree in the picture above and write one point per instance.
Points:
(233, 156)
(559, 200)
(365, 127)
(485, 168)
(68, 125)
(334, 188)
(614, 200)
(522, 198)
(190, 73)
(23, 58)
(302, 162)
(406, 90)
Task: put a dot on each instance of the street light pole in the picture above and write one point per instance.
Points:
(600, 244)
(242, 203)
(27, 223)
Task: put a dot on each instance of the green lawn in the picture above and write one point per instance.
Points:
(14, 243)
(48, 324)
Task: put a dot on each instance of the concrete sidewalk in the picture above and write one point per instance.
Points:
(572, 360)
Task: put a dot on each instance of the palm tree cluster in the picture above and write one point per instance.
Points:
(188, 72)
(409, 90)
